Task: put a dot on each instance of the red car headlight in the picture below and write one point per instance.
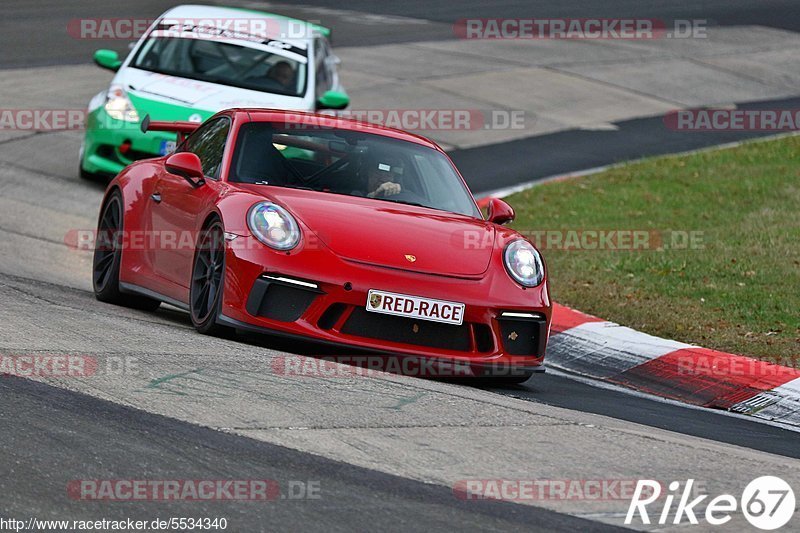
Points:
(273, 225)
(523, 263)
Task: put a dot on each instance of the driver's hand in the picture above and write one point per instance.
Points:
(387, 189)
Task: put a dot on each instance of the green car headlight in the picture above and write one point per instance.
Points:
(119, 106)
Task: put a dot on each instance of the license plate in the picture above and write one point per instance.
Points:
(167, 147)
(390, 303)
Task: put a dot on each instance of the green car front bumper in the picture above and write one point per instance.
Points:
(110, 144)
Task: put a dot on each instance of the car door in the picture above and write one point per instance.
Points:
(179, 206)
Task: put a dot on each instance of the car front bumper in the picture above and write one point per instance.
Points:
(278, 292)
(110, 145)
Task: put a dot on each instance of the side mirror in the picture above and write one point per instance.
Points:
(333, 100)
(108, 59)
(186, 165)
(499, 211)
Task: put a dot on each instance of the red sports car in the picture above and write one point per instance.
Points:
(327, 229)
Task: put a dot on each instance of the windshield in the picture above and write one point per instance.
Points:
(348, 162)
(224, 63)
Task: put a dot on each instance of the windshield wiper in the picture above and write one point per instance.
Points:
(402, 202)
(301, 187)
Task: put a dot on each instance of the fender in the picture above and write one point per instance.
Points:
(233, 209)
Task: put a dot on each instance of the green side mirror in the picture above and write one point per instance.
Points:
(333, 100)
(107, 59)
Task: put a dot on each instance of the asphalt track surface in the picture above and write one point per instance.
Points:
(574, 150)
(43, 425)
(778, 14)
(85, 437)
(33, 33)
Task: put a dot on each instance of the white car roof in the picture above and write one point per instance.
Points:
(211, 13)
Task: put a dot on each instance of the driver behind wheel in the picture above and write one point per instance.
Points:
(281, 73)
(384, 174)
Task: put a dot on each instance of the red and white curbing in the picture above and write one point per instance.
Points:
(591, 347)
(588, 346)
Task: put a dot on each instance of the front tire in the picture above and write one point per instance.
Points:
(205, 291)
(108, 256)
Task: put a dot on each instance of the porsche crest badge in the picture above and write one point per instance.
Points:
(375, 300)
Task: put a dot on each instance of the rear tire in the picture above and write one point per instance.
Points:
(208, 275)
(107, 258)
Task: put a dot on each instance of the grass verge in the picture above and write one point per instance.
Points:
(721, 263)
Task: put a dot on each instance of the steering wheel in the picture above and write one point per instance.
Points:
(315, 178)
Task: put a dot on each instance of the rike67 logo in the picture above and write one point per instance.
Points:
(767, 502)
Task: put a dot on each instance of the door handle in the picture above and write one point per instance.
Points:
(156, 197)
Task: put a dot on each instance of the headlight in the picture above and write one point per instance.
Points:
(119, 106)
(524, 263)
(273, 225)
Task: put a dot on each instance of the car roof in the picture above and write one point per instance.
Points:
(197, 12)
(260, 114)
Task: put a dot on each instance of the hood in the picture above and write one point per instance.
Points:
(195, 95)
(382, 233)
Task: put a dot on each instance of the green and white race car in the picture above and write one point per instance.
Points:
(196, 60)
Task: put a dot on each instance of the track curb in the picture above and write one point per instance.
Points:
(590, 347)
